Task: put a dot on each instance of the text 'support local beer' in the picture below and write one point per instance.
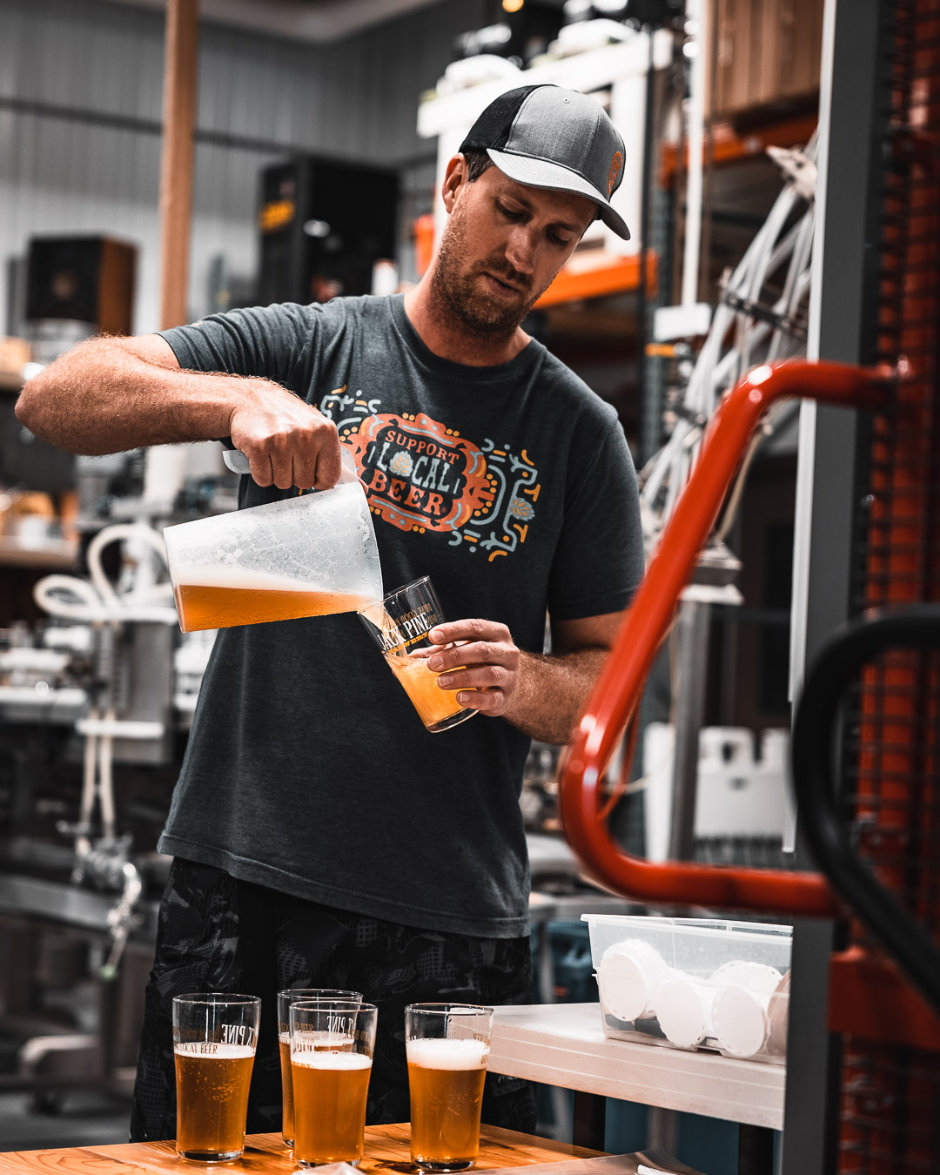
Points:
(212, 1082)
(445, 1079)
(329, 1106)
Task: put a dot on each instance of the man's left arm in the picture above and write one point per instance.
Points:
(541, 694)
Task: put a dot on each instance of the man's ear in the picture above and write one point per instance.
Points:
(454, 179)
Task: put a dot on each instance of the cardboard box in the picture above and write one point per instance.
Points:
(762, 52)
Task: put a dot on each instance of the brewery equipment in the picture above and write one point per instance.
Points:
(85, 694)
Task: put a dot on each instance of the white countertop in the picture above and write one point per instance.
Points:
(564, 1044)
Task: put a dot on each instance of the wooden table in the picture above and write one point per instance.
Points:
(386, 1150)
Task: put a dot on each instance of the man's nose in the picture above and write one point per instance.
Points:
(520, 249)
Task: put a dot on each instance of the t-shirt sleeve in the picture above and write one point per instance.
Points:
(265, 341)
(599, 560)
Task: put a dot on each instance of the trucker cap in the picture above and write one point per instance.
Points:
(549, 137)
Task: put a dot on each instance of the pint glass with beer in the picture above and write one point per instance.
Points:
(447, 1046)
(214, 1039)
(285, 998)
(399, 625)
(331, 1043)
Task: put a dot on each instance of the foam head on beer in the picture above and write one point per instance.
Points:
(448, 1053)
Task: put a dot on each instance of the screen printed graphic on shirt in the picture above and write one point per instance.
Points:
(422, 475)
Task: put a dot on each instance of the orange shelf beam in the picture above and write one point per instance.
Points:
(728, 145)
(615, 276)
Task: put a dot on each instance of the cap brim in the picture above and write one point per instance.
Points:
(541, 173)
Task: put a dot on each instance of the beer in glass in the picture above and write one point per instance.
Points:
(399, 624)
(284, 1000)
(331, 1044)
(447, 1046)
(214, 1039)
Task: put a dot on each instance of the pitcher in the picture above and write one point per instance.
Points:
(308, 555)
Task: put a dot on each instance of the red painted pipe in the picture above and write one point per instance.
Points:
(620, 685)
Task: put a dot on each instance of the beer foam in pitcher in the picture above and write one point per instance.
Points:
(223, 575)
(447, 1054)
(328, 1059)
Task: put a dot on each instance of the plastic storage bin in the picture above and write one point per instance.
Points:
(694, 983)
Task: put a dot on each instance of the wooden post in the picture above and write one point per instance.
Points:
(176, 165)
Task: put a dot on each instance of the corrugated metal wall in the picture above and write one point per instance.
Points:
(80, 107)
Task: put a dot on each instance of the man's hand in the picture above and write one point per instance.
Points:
(286, 440)
(484, 665)
(542, 695)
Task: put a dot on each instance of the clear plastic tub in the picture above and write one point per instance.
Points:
(694, 983)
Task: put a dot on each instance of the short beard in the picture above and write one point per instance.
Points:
(454, 298)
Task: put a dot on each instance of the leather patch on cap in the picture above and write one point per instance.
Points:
(616, 167)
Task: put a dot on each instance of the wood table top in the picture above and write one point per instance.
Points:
(386, 1151)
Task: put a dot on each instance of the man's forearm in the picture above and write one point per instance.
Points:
(552, 691)
(101, 397)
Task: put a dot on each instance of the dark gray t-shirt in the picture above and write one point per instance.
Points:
(307, 768)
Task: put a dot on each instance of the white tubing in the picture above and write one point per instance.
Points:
(111, 534)
(106, 782)
(97, 602)
(80, 588)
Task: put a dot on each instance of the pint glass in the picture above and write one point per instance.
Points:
(214, 1038)
(284, 1000)
(447, 1046)
(399, 625)
(331, 1045)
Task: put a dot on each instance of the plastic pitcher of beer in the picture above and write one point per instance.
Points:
(309, 555)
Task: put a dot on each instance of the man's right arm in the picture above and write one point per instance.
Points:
(111, 394)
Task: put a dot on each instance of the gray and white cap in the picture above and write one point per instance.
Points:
(548, 137)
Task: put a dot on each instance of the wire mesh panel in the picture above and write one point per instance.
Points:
(889, 1118)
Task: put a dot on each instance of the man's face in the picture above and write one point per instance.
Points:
(501, 248)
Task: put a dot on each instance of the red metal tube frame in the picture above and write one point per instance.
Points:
(620, 685)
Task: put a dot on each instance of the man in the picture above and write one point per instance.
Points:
(321, 837)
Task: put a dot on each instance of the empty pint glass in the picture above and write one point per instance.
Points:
(399, 624)
(447, 1046)
(331, 1045)
(284, 1000)
(214, 1039)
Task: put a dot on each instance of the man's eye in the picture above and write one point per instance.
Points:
(509, 213)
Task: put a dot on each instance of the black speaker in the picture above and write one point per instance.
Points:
(323, 226)
(86, 279)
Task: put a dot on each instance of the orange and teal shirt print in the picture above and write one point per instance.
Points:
(421, 476)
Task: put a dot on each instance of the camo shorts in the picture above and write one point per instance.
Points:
(219, 934)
